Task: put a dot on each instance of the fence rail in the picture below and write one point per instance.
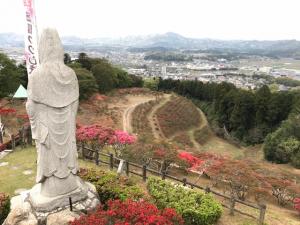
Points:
(93, 154)
(22, 138)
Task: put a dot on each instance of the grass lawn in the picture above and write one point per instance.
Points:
(219, 146)
(11, 175)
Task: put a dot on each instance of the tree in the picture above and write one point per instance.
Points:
(151, 83)
(10, 76)
(87, 83)
(84, 60)
(281, 189)
(136, 81)
(242, 116)
(67, 58)
(164, 154)
(225, 108)
(283, 145)
(279, 108)
(23, 73)
(158, 155)
(139, 152)
(105, 76)
(262, 98)
(123, 80)
(235, 174)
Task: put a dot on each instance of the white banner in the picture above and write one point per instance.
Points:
(31, 35)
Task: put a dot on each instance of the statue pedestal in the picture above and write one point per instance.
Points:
(47, 204)
(31, 208)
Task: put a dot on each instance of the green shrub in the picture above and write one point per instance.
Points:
(4, 206)
(296, 160)
(195, 207)
(87, 83)
(110, 185)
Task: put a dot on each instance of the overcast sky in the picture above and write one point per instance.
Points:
(221, 19)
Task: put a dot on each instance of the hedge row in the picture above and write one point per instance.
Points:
(195, 207)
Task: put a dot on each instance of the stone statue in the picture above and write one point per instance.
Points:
(52, 107)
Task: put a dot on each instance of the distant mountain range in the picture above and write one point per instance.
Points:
(170, 41)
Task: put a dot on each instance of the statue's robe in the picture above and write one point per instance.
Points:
(52, 106)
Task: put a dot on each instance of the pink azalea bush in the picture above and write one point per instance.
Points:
(99, 136)
(120, 140)
(94, 135)
(121, 137)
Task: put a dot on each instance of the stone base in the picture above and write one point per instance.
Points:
(42, 203)
(28, 209)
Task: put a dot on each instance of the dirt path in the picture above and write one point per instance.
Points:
(191, 133)
(157, 133)
(127, 114)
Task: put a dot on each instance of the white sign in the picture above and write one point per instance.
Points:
(120, 167)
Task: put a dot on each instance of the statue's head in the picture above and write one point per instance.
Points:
(50, 47)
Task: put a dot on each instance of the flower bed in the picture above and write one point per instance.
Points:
(130, 213)
(195, 207)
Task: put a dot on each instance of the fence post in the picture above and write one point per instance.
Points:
(144, 173)
(13, 142)
(20, 138)
(184, 181)
(232, 205)
(207, 190)
(97, 156)
(163, 175)
(29, 136)
(23, 141)
(164, 166)
(71, 204)
(1, 139)
(262, 213)
(127, 168)
(111, 161)
(82, 150)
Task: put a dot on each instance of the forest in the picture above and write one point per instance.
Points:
(248, 117)
(93, 74)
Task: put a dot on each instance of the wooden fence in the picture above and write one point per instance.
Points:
(22, 138)
(143, 171)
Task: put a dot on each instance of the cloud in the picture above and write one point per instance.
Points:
(229, 19)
